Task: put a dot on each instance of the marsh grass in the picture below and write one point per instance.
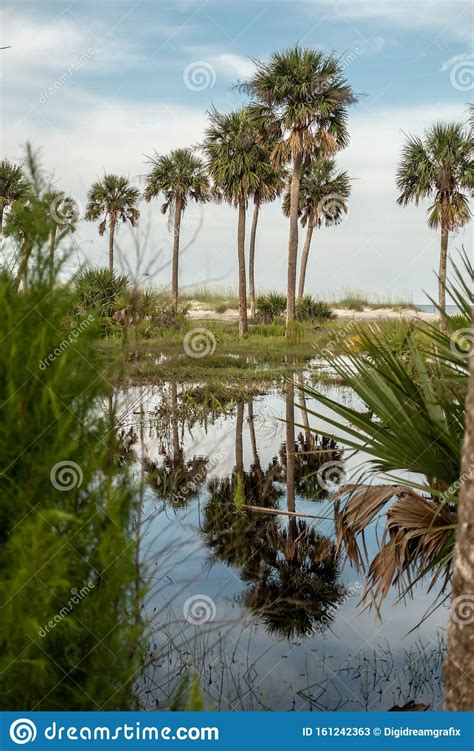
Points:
(357, 300)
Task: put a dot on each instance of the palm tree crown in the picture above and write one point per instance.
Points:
(305, 95)
(14, 186)
(179, 175)
(13, 183)
(324, 193)
(439, 166)
(237, 163)
(112, 198)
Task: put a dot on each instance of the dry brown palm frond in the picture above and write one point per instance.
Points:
(360, 509)
(414, 539)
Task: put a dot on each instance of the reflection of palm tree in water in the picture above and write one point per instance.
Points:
(291, 570)
(310, 452)
(175, 480)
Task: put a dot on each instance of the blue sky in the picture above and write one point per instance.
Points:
(98, 85)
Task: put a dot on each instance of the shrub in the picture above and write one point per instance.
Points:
(309, 309)
(66, 517)
(99, 291)
(270, 306)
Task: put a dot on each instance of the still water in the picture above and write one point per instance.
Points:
(260, 604)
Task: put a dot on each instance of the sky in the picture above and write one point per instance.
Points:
(99, 86)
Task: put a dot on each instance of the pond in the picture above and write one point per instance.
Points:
(259, 603)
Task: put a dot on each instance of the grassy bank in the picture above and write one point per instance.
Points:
(221, 299)
(211, 351)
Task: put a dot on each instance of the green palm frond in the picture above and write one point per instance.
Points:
(324, 194)
(439, 165)
(237, 162)
(411, 422)
(180, 174)
(113, 198)
(304, 94)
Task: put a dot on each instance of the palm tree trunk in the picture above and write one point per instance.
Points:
(239, 441)
(304, 259)
(290, 456)
(52, 248)
(111, 245)
(459, 666)
(304, 415)
(242, 282)
(443, 259)
(174, 425)
(1, 225)
(293, 240)
(175, 271)
(253, 233)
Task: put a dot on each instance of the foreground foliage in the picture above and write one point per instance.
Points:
(411, 425)
(68, 550)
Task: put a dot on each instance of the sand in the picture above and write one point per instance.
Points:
(200, 311)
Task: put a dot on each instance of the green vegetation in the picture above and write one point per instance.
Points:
(414, 392)
(68, 543)
(309, 309)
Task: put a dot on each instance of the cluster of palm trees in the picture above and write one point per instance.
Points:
(282, 142)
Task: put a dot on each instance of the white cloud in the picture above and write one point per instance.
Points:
(450, 17)
(233, 66)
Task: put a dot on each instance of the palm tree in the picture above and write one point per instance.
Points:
(304, 93)
(439, 166)
(180, 176)
(14, 186)
(266, 191)
(237, 164)
(324, 193)
(113, 199)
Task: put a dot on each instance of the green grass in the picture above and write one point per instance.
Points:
(357, 300)
(215, 297)
(264, 355)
